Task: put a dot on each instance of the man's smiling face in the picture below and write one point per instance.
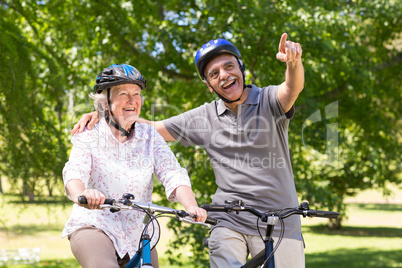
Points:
(224, 75)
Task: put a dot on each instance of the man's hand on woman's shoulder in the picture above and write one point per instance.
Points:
(87, 120)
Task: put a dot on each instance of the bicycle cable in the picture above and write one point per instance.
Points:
(152, 218)
(281, 235)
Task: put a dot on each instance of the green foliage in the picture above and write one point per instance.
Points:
(360, 72)
(33, 147)
(51, 52)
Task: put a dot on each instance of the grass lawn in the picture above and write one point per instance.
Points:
(377, 243)
(36, 225)
(370, 237)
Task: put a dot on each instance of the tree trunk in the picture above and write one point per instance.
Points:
(1, 186)
(49, 188)
(335, 224)
(31, 196)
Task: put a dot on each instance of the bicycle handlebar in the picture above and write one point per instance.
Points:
(322, 214)
(271, 218)
(303, 210)
(126, 204)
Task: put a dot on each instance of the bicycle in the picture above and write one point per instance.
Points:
(142, 258)
(266, 257)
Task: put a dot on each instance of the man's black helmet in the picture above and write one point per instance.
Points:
(118, 74)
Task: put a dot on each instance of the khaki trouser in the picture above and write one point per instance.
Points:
(228, 248)
(93, 249)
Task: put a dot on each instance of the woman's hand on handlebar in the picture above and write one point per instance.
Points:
(199, 212)
(94, 198)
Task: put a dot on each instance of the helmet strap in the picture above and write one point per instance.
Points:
(124, 132)
(111, 120)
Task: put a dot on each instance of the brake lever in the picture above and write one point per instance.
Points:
(113, 208)
(191, 221)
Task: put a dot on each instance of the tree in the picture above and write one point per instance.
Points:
(31, 88)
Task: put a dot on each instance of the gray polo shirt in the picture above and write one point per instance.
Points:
(249, 153)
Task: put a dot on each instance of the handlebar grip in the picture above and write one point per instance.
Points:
(83, 200)
(214, 207)
(211, 221)
(323, 214)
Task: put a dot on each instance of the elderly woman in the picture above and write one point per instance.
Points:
(118, 156)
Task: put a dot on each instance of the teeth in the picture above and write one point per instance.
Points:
(229, 84)
(128, 109)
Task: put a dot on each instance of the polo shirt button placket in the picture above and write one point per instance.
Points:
(237, 125)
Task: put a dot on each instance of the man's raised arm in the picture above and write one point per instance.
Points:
(289, 90)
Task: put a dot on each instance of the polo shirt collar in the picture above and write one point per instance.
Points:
(252, 99)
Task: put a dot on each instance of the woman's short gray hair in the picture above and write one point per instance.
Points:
(100, 103)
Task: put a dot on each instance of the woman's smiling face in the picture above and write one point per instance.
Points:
(126, 104)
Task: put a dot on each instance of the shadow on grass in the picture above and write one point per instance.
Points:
(64, 263)
(383, 207)
(29, 229)
(353, 258)
(39, 200)
(355, 231)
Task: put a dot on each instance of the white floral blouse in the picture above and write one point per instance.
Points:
(101, 162)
